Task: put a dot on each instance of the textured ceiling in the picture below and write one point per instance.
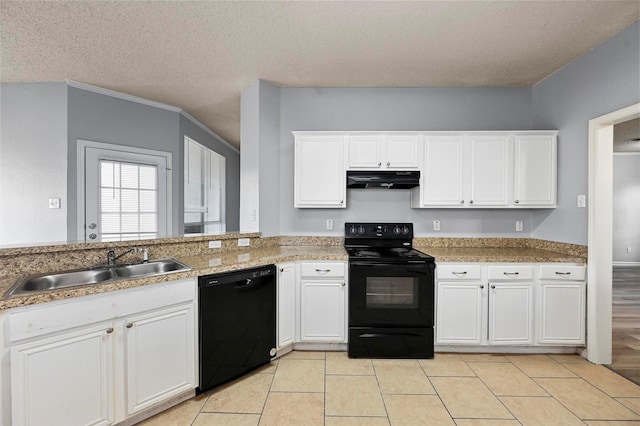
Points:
(200, 55)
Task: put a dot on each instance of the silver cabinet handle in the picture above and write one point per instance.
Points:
(388, 163)
(461, 201)
(470, 201)
(92, 226)
(343, 284)
(481, 285)
(493, 286)
(281, 269)
(92, 236)
(379, 163)
(341, 201)
(563, 273)
(460, 273)
(517, 201)
(109, 330)
(511, 273)
(323, 271)
(129, 325)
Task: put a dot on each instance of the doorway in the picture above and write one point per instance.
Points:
(124, 193)
(599, 275)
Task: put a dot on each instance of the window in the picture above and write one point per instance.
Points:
(204, 190)
(128, 201)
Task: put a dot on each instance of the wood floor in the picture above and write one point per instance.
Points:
(626, 322)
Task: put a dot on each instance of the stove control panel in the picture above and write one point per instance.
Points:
(379, 230)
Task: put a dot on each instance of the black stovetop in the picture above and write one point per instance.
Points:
(382, 242)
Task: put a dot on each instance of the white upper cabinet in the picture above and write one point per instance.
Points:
(488, 168)
(320, 178)
(391, 151)
(535, 168)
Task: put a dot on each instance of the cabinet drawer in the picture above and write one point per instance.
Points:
(511, 273)
(459, 272)
(560, 272)
(322, 270)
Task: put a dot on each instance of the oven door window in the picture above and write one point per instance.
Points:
(391, 293)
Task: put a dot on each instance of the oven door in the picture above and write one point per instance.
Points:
(391, 295)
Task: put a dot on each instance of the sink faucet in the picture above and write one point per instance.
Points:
(111, 255)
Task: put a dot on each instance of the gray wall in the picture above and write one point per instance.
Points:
(626, 207)
(604, 80)
(33, 163)
(398, 109)
(101, 118)
(232, 176)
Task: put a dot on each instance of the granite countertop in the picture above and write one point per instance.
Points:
(216, 262)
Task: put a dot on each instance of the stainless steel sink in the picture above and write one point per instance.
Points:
(156, 267)
(100, 274)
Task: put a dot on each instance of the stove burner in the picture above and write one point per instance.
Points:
(367, 253)
(399, 250)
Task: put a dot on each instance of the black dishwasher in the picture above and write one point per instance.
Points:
(237, 320)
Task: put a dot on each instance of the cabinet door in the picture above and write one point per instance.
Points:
(322, 310)
(286, 304)
(365, 151)
(160, 355)
(320, 178)
(64, 380)
(535, 171)
(488, 168)
(442, 173)
(510, 313)
(459, 313)
(401, 151)
(562, 312)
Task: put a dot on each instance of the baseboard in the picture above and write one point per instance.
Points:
(626, 263)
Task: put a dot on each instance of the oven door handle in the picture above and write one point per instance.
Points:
(386, 265)
(376, 335)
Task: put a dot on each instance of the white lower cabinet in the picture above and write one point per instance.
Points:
(159, 355)
(99, 359)
(460, 304)
(562, 305)
(64, 380)
(510, 305)
(323, 294)
(286, 304)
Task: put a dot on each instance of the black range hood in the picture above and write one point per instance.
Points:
(383, 179)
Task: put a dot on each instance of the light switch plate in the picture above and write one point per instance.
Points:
(329, 224)
(582, 201)
(519, 226)
(436, 225)
(54, 203)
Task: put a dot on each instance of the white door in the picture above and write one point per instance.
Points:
(64, 380)
(535, 170)
(459, 313)
(322, 311)
(320, 178)
(511, 313)
(160, 356)
(443, 171)
(562, 306)
(286, 304)
(402, 151)
(125, 193)
(488, 179)
(365, 151)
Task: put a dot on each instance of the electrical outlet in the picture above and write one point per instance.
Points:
(582, 201)
(329, 224)
(628, 249)
(436, 225)
(243, 242)
(519, 226)
(215, 244)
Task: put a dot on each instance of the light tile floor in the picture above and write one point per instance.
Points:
(328, 388)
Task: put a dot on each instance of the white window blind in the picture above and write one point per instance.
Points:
(128, 200)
